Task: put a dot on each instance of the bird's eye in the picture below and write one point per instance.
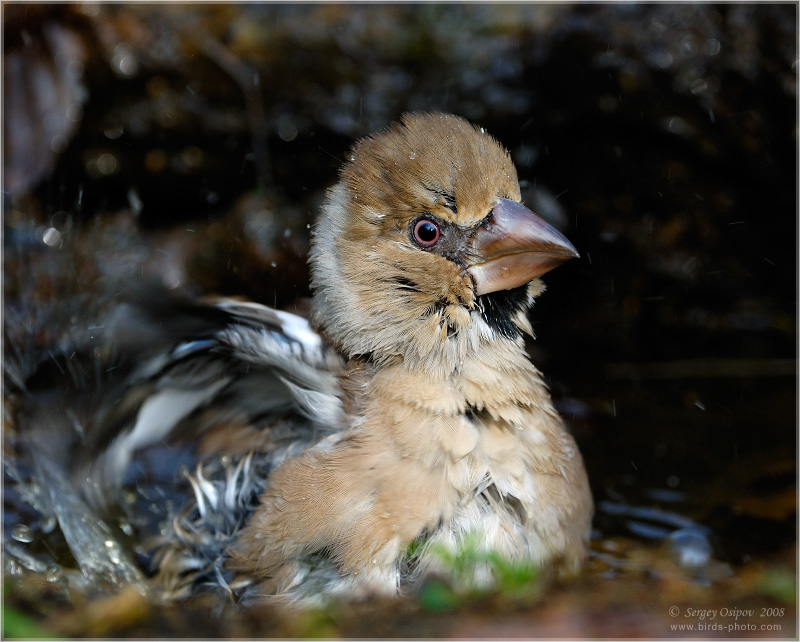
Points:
(426, 232)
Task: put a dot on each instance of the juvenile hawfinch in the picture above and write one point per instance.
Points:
(353, 454)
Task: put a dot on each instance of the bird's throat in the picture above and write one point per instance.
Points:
(499, 309)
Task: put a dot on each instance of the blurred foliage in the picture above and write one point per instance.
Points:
(473, 560)
(781, 584)
(17, 625)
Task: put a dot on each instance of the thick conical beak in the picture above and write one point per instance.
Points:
(514, 247)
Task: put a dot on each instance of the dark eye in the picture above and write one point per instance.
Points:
(426, 232)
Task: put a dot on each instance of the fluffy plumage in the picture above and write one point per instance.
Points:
(343, 459)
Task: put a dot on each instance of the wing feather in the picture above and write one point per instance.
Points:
(181, 373)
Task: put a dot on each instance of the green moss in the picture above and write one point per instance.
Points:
(779, 583)
(438, 596)
(19, 626)
(515, 579)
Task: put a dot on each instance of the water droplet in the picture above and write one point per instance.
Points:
(51, 237)
(664, 60)
(75, 69)
(107, 164)
(124, 61)
(58, 143)
(54, 573)
(22, 533)
(48, 525)
(691, 546)
(287, 131)
(412, 155)
(126, 527)
(127, 65)
(113, 132)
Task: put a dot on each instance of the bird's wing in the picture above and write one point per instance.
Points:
(221, 369)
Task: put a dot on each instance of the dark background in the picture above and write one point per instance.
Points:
(191, 146)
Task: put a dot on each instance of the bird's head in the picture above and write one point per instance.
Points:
(423, 250)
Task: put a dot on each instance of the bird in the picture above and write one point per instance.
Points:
(349, 454)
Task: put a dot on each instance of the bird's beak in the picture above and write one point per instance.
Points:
(514, 247)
